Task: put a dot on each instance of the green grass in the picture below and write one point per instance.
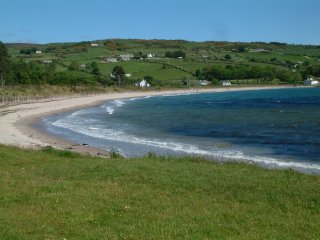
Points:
(139, 69)
(53, 194)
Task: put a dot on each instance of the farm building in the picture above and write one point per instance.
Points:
(126, 57)
(143, 84)
(311, 82)
(112, 59)
(225, 83)
(203, 82)
(47, 61)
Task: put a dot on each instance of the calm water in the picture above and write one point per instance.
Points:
(276, 128)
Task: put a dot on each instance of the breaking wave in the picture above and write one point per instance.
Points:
(216, 153)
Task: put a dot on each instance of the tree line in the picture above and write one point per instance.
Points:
(16, 71)
(238, 72)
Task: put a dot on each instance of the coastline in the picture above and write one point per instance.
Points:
(17, 121)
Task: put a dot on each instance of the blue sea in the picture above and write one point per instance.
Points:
(273, 128)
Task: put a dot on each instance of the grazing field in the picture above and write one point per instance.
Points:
(52, 194)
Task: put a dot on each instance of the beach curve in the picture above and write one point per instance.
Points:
(16, 122)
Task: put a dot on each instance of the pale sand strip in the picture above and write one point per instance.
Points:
(16, 121)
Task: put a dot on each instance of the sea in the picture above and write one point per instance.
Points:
(278, 128)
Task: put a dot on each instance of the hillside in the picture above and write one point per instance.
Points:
(165, 63)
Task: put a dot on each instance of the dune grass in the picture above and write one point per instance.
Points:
(52, 194)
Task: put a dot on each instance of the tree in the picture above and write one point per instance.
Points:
(241, 49)
(119, 74)
(28, 51)
(175, 54)
(95, 69)
(227, 57)
(74, 65)
(4, 62)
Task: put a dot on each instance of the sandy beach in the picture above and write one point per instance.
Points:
(16, 121)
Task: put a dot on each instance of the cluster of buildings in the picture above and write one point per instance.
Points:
(93, 44)
(121, 57)
(311, 82)
(125, 57)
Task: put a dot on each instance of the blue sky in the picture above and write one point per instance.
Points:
(43, 21)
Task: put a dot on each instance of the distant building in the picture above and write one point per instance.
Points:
(112, 59)
(203, 82)
(47, 61)
(143, 84)
(225, 83)
(126, 57)
(150, 55)
(38, 52)
(311, 82)
(259, 50)
(94, 44)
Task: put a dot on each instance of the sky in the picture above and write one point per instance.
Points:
(47, 21)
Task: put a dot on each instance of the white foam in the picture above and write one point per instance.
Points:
(112, 106)
(119, 136)
(94, 128)
(110, 110)
(77, 113)
(169, 95)
(178, 94)
(119, 103)
(110, 134)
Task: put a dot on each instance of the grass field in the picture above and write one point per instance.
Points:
(53, 194)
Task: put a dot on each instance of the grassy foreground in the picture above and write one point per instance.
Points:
(53, 194)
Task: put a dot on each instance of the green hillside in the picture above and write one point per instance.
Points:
(166, 63)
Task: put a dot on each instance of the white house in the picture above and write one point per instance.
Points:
(311, 82)
(112, 59)
(143, 83)
(150, 55)
(94, 44)
(47, 61)
(38, 52)
(203, 82)
(225, 83)
(258, 50)
(126, 57)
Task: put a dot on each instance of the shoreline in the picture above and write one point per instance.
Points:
(17, 121)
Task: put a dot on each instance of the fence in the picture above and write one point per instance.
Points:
(13, 100)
